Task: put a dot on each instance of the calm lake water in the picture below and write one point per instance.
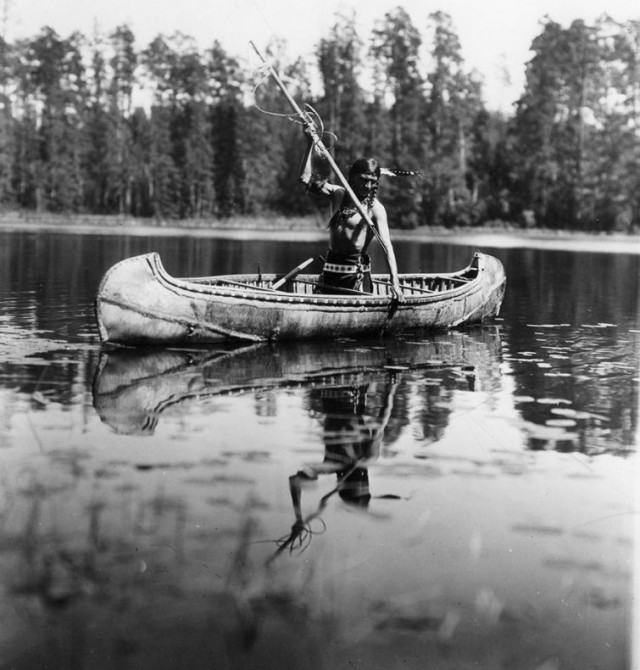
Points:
(452, 500)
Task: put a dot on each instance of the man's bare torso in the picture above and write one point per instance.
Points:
(351, 234)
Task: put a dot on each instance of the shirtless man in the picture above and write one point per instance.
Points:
(347, 265)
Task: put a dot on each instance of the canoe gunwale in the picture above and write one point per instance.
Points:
(318, 300)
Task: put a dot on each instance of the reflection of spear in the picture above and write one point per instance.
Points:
(322, 150)
(386, 415)
(301, 530)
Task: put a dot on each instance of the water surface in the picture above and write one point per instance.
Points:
(451, 500)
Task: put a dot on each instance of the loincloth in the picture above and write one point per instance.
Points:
(351, 271)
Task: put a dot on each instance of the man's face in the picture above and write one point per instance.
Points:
(363, 184)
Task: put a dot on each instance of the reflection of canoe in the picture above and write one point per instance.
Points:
(132, 387)
(139, 302)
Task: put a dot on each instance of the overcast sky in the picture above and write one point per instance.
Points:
(495, 34)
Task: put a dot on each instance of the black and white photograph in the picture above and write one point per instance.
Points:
(319, 335)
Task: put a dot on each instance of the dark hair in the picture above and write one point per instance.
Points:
(365, 166)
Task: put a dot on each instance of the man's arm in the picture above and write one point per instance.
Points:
(382, 226)
(315, 183)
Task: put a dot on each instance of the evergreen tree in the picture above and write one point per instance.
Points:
(72, 140)
(267, 138)
(25, 180)
(123, 64)
(226, 116)
(342, 105)
(159, 62)
(489, 166)
(191, 132)
(554, 125)
(180, 150)
(616, 180)
(97, 121)
(7, 129)
(395, 49)
(53, 73)
(292, 197)
(454, 101)
(536, 133)
(142, 146)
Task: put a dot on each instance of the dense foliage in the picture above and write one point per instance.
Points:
(169, 131)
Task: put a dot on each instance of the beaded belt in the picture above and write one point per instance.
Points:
(346, 269)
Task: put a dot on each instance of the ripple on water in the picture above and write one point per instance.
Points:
(551, 434)
(553, 401)
(576, 414)
(560, 423)
(18, 345)
(549, 325)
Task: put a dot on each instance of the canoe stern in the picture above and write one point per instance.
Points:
(134, 306)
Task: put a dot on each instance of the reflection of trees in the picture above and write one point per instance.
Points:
(569, 287)
(436, 395)
(54, 376)
(438, 386)
(590, 376)
(266, 404)
(588, 364)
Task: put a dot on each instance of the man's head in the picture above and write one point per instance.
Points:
(364, 176)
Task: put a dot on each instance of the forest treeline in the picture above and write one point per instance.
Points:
(98, 126)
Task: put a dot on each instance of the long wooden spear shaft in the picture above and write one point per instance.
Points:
(319, 144)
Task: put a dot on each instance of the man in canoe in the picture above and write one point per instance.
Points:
(348, 265)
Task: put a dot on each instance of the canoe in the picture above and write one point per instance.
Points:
(139, 302)
(134, 387)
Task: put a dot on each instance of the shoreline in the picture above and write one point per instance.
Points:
(312, 229)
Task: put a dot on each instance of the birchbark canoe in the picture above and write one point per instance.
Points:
(133, 387)
(139, 303)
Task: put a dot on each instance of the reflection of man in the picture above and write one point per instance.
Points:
(352, 440)
(349, 441)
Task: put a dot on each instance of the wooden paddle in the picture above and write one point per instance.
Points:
(290, 275)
